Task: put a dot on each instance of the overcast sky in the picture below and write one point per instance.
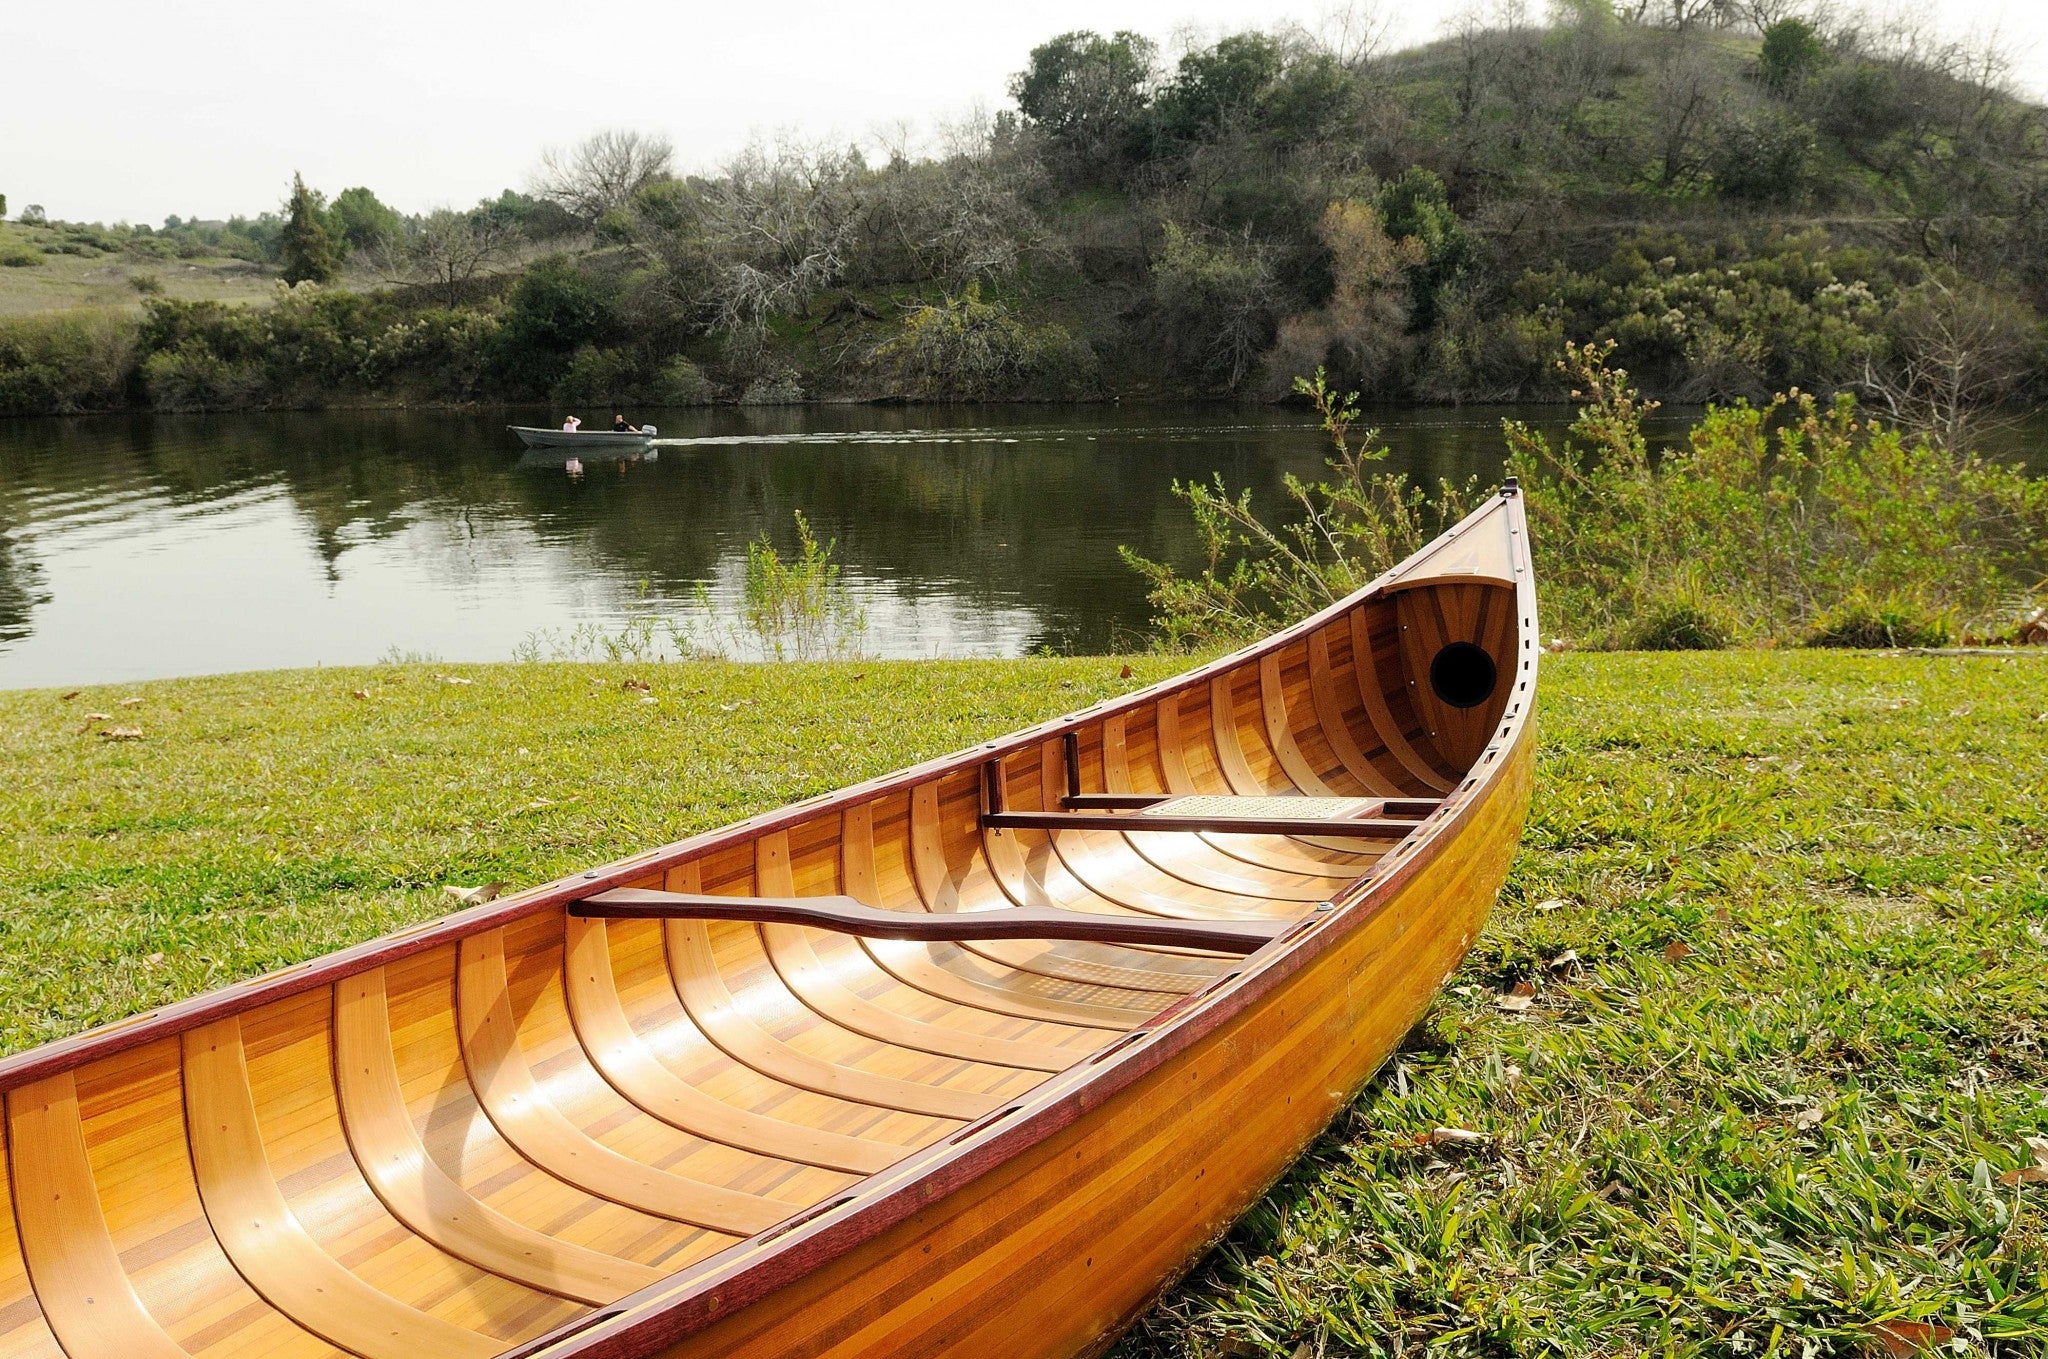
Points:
(133, 109)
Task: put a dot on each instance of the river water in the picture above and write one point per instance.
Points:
(141, 546)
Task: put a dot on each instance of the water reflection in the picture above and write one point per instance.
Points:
(142, 546)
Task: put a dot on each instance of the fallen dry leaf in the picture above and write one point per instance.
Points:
(642, 685)
(66, 698)
(1514, 1005)
(360, 693)
(861, 676)
(1522, 988)
(538, 804)
(1903, 1339)
(1553, 904)
(1677, 950)
(99, 717)
(1456, 1137)
(130, 702)
(1807, 1118)
(475, 896)
(2037, 1173)
(154, 959)
(1566, 961)
(122, 734)
(454, 679)
(1124, 673)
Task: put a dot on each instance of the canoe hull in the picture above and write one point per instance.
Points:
(1055, 1254)
(525, 1129)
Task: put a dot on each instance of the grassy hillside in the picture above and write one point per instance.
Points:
(1820, 203)
(1781, 920)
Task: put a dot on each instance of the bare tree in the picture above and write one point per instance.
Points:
(603, 171)
(780, 222)
(447, 250)
(1961, 350)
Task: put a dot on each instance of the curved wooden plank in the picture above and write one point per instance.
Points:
(83, 1288)
(624, 1059)
(1237, 771)
(265, 1240)
(805, 973)
(423, 1196)
(693, 966)
(916, 965)
(1322, 683)
(23, 1332)
(1088, 964)
(1259, 851)
(540, 1132)
(1366, 670)
(1280, 736)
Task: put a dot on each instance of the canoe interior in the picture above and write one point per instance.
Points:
(460, 1146)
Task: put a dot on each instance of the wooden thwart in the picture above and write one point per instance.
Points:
(844, 915)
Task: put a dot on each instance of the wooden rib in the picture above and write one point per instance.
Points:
(624, 1059)
(1270, 852)
(1330, 715)
(263, 1237)
(540, 1132)
(1014, 872)
(1237, 771)
(1119, 869)
(423, 1196)
(693, 965)
(915, 966)
(1273, 706)
(24, 1334)
(84, 1290)
(805, 973)
(1193, 859)
(1087, 964)
(1365, 669)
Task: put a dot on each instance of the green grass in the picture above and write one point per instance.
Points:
(103, 279)
(1785, 916)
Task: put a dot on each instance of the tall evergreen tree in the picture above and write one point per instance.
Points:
(304, 246)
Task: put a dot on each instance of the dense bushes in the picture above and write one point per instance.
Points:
(1784, 522)
(64, 361)
(970, 347)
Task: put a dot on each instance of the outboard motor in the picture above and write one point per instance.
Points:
(649, 430)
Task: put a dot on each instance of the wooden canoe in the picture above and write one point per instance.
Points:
(967, 1060)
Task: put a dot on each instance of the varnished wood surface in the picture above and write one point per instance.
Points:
(748, 1123)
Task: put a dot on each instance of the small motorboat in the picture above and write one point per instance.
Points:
(966, 1060)
(584, 438)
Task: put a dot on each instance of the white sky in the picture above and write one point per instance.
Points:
(133, 109)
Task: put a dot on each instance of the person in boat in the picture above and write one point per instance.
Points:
(619, 426)
(572, 424)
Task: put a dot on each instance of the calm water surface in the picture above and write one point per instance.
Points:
(140, 546)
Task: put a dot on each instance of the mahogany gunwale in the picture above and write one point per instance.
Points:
(297, 978)
(715, 1287)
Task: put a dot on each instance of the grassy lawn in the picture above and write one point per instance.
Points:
(1781, 919)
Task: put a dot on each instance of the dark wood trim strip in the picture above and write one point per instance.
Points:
(844, 915)
(1351, 828)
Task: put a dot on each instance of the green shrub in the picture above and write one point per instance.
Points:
(595, 374)
(147, 284)
(967, 347)
(1865, 624)
(15, 255)
(193, 378)
(1681, 623)
(682, 383)
(57, 363)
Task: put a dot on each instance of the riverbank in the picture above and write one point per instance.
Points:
(1783, 919)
